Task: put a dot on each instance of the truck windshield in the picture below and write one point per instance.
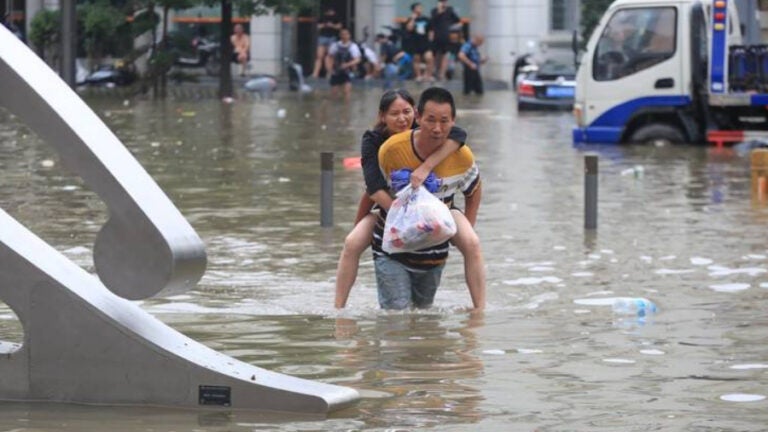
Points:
(635, 39)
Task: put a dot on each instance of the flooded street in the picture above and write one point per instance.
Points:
(676, 225)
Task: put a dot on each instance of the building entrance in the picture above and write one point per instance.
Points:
(306, 32)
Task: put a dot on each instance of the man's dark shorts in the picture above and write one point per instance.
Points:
(340, 78)
(235, 55)
(441, 46)
(420, 47)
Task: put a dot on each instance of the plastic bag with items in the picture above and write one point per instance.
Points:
(416, 220)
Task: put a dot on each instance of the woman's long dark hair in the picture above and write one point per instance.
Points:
(386, 101)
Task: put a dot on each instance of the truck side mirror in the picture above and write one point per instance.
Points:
(575, 47)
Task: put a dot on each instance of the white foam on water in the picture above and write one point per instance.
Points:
(582, 311)
(529, 351)
(596, 301)
(716, 270)
(652, 352)
(764, 285)
(646, 258)
(614, 260)
(731, 287)
(619, 361)
(70, 188)
(541, 269)
(494, 352)
(283, 180)
(599, 293)
(606, 251)
(180, 297)
(582, 274)
(673, 271)
(742, 397)
(668, 258)
(699, 261)
(537, 300)
(750, 366)
(539, 264)
(594, 256)
(755, 257)
(77, 250)
(559, 248)
(533, 281)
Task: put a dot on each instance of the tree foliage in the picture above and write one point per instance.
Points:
(591, 12)
(265, 7)
(101, 24)
(44, 30)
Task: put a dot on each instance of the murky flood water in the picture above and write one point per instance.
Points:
(676, 226)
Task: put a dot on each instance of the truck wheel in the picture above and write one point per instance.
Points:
(658, 134)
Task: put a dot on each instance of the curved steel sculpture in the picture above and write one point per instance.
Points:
(83, 343)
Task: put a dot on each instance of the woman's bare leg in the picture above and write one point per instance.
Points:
(319, 59)
(356, 242)
(467, 242)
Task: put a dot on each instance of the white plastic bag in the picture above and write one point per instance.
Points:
(416, 220)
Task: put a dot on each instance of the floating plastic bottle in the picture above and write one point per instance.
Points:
(636, 171)
(638, 306)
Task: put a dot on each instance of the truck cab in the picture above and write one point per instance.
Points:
(653, 71)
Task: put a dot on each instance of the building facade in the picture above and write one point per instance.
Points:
(511, 27)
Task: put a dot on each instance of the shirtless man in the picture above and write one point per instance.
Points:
(241, 46)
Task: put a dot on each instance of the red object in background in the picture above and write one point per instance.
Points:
(352, 163)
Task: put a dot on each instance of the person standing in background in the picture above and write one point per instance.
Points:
(417, 30)
(328, 26)
(241, 47)
(443, 18)
(345, 56)
(469, 56)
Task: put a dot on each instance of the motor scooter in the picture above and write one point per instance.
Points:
(204, 53)
(118, 73)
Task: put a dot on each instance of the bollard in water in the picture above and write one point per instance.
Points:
(326, 189)
(759, 163)
(590, 192)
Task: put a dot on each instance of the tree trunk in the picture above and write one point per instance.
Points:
(152, 67)
(164, 75)
(225, 74)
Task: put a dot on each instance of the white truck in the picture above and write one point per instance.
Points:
(672, 71)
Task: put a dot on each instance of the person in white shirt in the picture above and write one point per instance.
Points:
(345, 57)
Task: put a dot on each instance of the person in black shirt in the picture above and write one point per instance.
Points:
(443, 18)
(417, 34)
(328, 27)
(390, 59)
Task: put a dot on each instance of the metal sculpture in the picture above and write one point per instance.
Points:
(83, 343)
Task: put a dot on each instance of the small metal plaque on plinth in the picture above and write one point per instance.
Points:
(215, 395)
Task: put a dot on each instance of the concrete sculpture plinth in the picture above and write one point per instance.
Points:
(84, 341)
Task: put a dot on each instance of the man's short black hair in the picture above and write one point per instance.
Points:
(414, 5)
(438, 95)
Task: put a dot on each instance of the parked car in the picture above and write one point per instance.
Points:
(551, 85)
